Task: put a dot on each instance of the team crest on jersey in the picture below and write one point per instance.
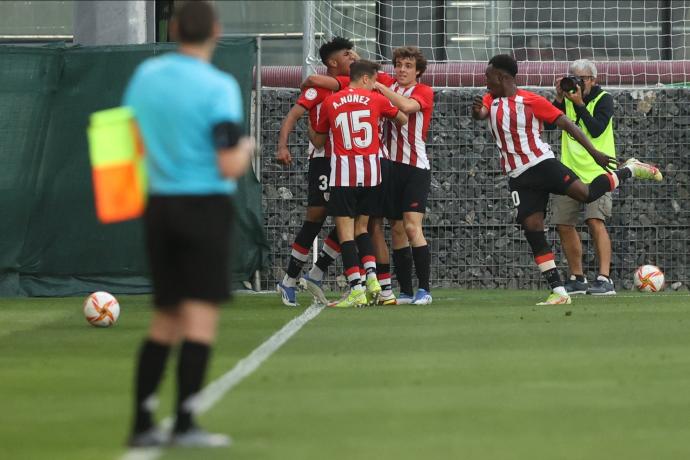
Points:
(311, 94)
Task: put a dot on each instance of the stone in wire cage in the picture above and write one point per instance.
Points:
(470, 223)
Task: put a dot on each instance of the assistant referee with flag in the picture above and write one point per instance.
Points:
(191, 119)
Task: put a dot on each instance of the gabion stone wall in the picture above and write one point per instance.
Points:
(470, 216)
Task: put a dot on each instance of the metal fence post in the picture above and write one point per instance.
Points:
(308, 37)
(493, 28)
(308, 45)
(257, 134)
(257, 111)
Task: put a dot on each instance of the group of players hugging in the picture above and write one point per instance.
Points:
(368, 161)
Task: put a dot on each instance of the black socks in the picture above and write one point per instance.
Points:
(348, 251)
(152, 358)
(365, 250)
(300, 248)
(607, 182)
(422, 265)
(191, 370)
(553, 278)
(329, 252)
(402, 265)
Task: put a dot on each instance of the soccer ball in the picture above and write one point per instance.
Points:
(649, 278)
(101, 309)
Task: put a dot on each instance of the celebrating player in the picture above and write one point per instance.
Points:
(410, 175)
(352, 117)
(337, 55)
(375, 227)
(515, 119)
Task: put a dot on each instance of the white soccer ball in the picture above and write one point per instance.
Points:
(649, 278)
(101, 309)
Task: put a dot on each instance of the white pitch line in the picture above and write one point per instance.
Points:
(215, 390)
(649, 296)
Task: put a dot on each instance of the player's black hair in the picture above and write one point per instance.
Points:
(336, 44)
(363, 67)
(195, 20)
(506, 63)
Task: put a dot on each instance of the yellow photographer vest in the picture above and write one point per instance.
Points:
(574, 156)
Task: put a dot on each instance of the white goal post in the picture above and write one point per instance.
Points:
(635, 42)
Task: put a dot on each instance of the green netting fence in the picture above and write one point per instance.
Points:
(51, 243)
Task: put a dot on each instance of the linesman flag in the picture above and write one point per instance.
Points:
(117, 162)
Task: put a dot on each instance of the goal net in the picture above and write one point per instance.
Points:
(633, 42)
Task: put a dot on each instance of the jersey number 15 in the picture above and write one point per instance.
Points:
(354, 129)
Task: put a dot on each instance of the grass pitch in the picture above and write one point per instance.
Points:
(476, 375)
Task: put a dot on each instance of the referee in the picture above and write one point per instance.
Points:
(191, 119)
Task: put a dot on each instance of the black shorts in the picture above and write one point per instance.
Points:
(530, 190)
(188, 246)
(379, 204)
(407, 190)
(318, 175)
(354, 201)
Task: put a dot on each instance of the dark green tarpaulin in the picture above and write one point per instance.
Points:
(50, 241)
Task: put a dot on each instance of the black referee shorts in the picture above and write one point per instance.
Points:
(188, 247)
(530, 190)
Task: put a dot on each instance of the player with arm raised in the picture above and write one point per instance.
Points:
(410, 175)
(351, 121)
(375, 228)
(515, 119)
(337, 55)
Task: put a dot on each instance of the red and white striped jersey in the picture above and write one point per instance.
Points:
(387, 80)
(355, 171)
(351, 117)
(407, 144)
(516, 124)
(311, 99)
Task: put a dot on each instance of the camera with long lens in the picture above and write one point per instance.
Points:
(570, 83)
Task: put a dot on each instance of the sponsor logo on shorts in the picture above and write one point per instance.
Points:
(327, 196)
(566, 178)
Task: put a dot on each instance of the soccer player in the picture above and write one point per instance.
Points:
(410, 175)
(191, 119)
(337, 55)
(515, 119)
(375, 227)
(351, 120)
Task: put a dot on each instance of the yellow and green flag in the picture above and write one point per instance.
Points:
(117, 162)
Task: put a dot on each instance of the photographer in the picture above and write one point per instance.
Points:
(591, 109)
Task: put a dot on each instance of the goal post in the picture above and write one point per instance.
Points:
(636, 42)
(309, 46)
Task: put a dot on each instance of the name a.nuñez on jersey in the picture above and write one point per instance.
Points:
(348, 98)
